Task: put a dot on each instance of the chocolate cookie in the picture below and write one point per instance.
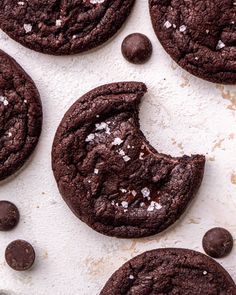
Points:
(200, 36)
(63, 27)
(20, 116)
(20, 255)
(109, 174)
(9, 216)
(217, 242)
(136, 48)
(172, 272)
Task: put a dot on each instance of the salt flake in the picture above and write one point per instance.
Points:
(154, 206)
(4, 100)
(121, 152)
(182, 28)
(125, 204)
(117, 141)
(103, 126)
(90, 137)
(126, 158)
(96, 1)
(146, 192)
(220, 45)
(27, 28)
(167, 24)
(134, 193)
(58, 22)
(141, 156)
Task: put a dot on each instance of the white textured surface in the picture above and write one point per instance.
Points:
(180, 114)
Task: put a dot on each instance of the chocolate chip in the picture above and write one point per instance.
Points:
(137, 48)
(217, 242)
(9, 216)
(20, 255)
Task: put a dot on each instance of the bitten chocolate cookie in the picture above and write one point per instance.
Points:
(20, 116)
(9, 216)
(170, 271)
(109, 174)
(20, 255)
(217, 242)
(200, 36)
(63, 27)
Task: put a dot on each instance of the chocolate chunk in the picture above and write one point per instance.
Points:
(108, 173)
(63, 27)
(20, 255)
(137, 48)
(20, 116)
(217, 242)
(170, 271)
(200, 36)
(9, 216)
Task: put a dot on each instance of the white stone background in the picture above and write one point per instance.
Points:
(180, 114)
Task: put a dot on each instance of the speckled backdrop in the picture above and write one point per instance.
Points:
(180, 114)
